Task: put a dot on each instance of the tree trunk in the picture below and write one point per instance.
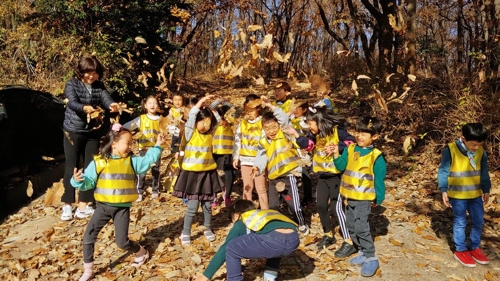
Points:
(411, 36)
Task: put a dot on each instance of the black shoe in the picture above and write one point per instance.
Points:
(345, 250)
(325, 241)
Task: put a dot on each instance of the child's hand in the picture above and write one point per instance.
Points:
(331, 149)
(289, 130)
(373, 204)
(77, 174)
(202, 101)
(88, 109)
(235, 164)
(446, 201)
(114, 107)
(176, 155)
(254, 172)
(201, 278)
(486, 198)
(160, 140)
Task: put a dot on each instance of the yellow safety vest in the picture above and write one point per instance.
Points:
(250, 136)
(223, 140)
(285, 106)
(176, 113)
(198, 153)
(282, 157)
(358, 178)
(321, 162)
(464, 182)
(115, 180)
(255, 220)
(150, 130)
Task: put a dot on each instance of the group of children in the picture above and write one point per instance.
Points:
(275, 147)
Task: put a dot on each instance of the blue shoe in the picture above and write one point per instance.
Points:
(270, 275)
(185, 200)
(359, 260)
(369, 267)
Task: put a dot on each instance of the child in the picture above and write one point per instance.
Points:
(277, 156)
(246, 141)
(363, 186)
(299, 123)
(149, 125)
(255, 234)
(176, 114)
(465, 183)
(198, 180)
(223, 142)
(281, 92)
(112, 175)
(326, 130)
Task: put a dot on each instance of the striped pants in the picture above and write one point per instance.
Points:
(290, 195)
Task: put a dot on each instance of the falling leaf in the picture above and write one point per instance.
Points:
(407, 144)
(354, 87)
(140, 40)
(243, 36)
(29, 190)
(216, 33)
(412, 77)
(259, 81)
(53, 195)
(267, 42)
(291, 38)
(388, 78)
(380, 100)
(362, 76)
(252, 27)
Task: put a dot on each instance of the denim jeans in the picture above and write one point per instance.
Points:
(272, 245)
(476, 212)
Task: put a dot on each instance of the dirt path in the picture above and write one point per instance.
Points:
(412, 240)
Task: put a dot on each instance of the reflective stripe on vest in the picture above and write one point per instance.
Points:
(285, 106)
(256, 220)
(115, 180)
(223, 140)
(281, 155)
(463, 181)
(250, 136)
(321, 162)
(198, 153)
(358, 178)
(150, 130)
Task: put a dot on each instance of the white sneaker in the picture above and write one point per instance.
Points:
(139, 199)
(304, 229)
(85, 213)
(67, 213)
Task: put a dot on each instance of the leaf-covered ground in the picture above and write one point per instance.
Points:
(412, 233)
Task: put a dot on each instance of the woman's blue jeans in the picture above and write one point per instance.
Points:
(272, 245)
(476, 212)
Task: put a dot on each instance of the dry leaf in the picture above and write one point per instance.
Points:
(429, 237)
(407, 144)
(412, 77)
(280, 186)
(252, 27)
(380, 100)
(362, 76)
(53, 195)
(216, 33)
(29, 190)
(396, 242)
(259, 81)
(267, 42)
(354, 87)
(388, 78)
(140, 40)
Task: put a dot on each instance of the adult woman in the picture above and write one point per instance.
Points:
(81, 137)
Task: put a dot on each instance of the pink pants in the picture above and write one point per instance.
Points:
(260, 184)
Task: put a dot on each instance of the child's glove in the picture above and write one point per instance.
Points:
(173, 130)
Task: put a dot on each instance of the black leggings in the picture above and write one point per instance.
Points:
(77, 145)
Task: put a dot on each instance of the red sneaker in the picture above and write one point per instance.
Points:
(465, 258)
(479, 256)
